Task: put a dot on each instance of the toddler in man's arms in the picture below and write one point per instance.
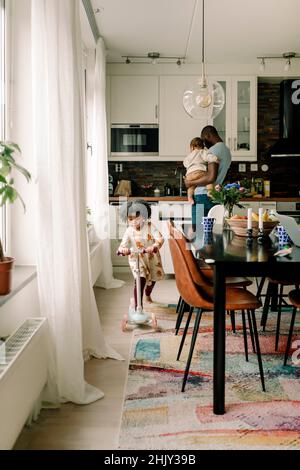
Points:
(196, 165)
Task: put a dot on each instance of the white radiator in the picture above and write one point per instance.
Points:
(23, 375)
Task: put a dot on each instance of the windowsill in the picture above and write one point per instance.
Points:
(21, 276)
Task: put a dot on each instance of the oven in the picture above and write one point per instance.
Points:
(134, 139)
(291, 209)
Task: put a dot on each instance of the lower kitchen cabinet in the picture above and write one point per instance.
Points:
(254, 205)
(180, 212)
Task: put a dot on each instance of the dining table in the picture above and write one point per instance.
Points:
(232, 255)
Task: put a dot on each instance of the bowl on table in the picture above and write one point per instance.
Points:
(239, 226)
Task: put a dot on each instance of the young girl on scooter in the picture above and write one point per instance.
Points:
(141, 235)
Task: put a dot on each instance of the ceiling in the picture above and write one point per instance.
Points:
(236, 31)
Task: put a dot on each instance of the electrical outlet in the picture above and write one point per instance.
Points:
(254, 167)
(242, 167)
(119, 167)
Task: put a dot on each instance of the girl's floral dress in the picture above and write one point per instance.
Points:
(150, 263)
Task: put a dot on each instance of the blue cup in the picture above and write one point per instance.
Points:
(208, 223)
(282, 235)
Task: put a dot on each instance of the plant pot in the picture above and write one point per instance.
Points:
(6, 275)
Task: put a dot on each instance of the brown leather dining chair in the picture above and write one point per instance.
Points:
(207, 273)
(281, 283)
(200, 296)
(294, 298)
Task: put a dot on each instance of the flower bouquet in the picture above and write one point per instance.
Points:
(146, 188)
(229, 196)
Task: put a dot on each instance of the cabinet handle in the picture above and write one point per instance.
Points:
(235, 143)
(156, 111)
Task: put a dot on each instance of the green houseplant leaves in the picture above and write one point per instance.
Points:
(8, 164)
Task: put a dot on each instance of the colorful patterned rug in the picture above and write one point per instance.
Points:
(157, 415)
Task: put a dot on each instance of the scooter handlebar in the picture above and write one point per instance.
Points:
(132, 251)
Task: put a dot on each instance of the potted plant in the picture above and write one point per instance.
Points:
(229, 196)
(8, 193)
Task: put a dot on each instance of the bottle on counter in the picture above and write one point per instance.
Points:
(267, 188)
(156, 192)
(167, 190)
(259, 186)
(253, 187)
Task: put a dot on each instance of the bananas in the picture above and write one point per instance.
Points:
(265, 217)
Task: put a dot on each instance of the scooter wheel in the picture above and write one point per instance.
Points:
(124, 324)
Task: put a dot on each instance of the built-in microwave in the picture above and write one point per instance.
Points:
(134, 139)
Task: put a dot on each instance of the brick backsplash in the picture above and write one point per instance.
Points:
(284, 174)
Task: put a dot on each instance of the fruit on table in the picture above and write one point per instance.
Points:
(238, 217)
(255, 217)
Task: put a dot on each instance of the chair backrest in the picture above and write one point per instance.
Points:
(184, 281)
(198, 277)
(217, 212)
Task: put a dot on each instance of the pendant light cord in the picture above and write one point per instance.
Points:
(202, 31)
(203, 78)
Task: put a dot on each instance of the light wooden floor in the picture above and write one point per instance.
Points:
(95, 426)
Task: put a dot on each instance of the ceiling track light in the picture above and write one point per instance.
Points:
(287, 56)
(153, 58)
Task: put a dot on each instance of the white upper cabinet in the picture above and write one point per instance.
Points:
(237, 122)
(134, 99)
(176, 127)
(139, 99)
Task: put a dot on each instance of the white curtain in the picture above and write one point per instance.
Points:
(66, 294)
(97, 190)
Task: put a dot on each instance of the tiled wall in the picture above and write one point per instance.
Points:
(284, 174)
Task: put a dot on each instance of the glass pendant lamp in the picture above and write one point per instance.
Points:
(203, 100)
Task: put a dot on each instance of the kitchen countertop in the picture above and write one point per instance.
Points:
(184, 199)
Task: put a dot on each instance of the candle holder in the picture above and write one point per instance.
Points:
(249, 240)
(261, 236)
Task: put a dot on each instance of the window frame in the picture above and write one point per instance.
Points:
(3, 110)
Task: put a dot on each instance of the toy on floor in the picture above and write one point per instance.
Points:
(137, 316)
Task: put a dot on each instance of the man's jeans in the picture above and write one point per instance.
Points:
(200, 208)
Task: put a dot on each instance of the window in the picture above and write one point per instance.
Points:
(3, 233)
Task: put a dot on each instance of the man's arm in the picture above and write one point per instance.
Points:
(209, 177)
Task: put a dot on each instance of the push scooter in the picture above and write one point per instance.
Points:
(137, 316)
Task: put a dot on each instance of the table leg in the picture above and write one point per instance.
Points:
(219, 339)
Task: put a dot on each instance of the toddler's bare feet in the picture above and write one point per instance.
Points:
(149, 299)
(191, 200)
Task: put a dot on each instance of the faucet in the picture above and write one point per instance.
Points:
(179, 170)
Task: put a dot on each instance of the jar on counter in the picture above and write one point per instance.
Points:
(156, 192)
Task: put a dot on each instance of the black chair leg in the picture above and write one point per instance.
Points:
(265, 312)
(194, 337)
(245, 335)
(251, 331)
(178, 304)
(185, 332)
(260, 287)
(232, 317)
(261, 371)
(278, 318)
(288, 344)
(180, 317)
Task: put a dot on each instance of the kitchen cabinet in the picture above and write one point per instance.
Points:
(180, 212)
(134, 99)
(255, 205)
(237, 122)
(176, 127)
